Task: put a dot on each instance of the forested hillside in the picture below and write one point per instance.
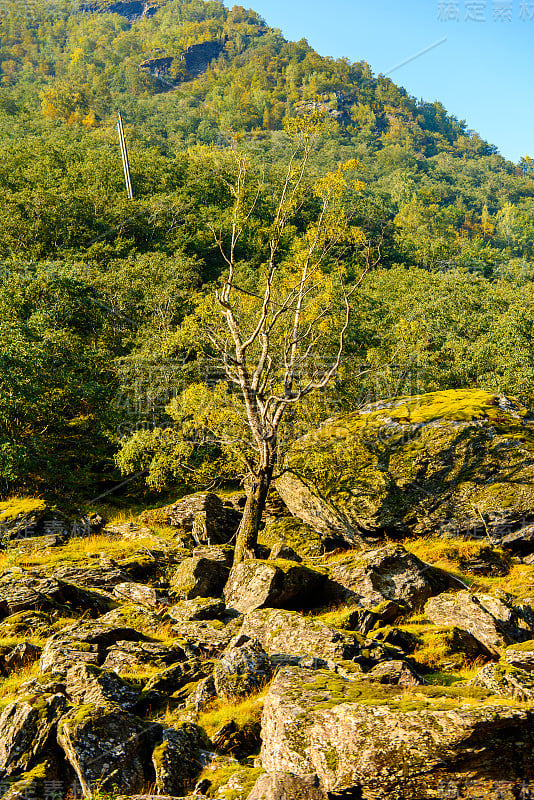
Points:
(101, 297)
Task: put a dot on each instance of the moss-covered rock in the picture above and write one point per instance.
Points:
(108, 746)
(505, 680)
(386, 574)
(26, 726)
(243, 669)
(292, 532)
(495, 623)
(293, 635)
(463, 459)
(272, 584)
(203, 575)
(176, 759)
(389, 742)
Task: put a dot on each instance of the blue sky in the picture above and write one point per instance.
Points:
(482, 73)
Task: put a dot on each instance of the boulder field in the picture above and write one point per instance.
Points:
(381, 648)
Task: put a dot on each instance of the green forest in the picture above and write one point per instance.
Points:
(106, 369)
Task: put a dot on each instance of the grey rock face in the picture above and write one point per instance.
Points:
(203, 575)
(284, 785)
(271, 584)
(386, 573)
(177, 759)
(82, 642)
(505, 681)
(123, 656)
(202, 514)
(292, 634)
(494, 623)
(89, 684)
(136, 593)
(355, 740)
(394, 673)
(107, 745)
(173, 678)
(197, 610)
(522, 657)
(26, 726)
(243, 669)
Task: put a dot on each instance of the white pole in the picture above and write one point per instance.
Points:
(124, 154)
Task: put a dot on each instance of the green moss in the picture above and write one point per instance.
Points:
(524, 647)
(20, 507)
(293, 533)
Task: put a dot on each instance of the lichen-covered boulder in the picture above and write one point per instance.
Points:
(177, 760)
(107, 746)
(521, 655)
(394, 673)
(26, 727)
(495, 623)
(292, 532)
(203, 575)
(82, 642)
(86, 683)
(291, 634)
(388, 742)
(123, 656)
(284, 785)
(134, 616)
(178, 675)
(197, 610)
(136, 593)
(272, 584)
(413, 465)
(387, 573)
(203, 515)
(105, 574)
(243, 669)
(504, 680)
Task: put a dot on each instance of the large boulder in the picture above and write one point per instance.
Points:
(177, 759)
(386, 573)
(387, 742)
(108, 747)
(505, 681)
(202, 575)
(203, 515)
(125, 656)
(243, 669)
(86, 683)
(293, 635)
(272, 584)
(82, 642)
(26, 727)
(460, 459)
(495, 623)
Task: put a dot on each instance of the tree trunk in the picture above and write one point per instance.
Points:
(247, 534)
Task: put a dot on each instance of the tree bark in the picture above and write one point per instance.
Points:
(247, 534)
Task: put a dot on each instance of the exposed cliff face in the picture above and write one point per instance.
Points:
(191, 63)
(133, 10)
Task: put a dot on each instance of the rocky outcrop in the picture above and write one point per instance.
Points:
(458, 460)
(125, 656)
(272, 584)
(386, 574)
(83, 642)
(26, 727)
(197, 610)
(202, 515)
(293, 635)
(504, 680)
(521, 655)
(177, 761)
(203, 575)
(243, 669)
(108, 746)
(377, 741)
(493, 622)
(87, 684)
